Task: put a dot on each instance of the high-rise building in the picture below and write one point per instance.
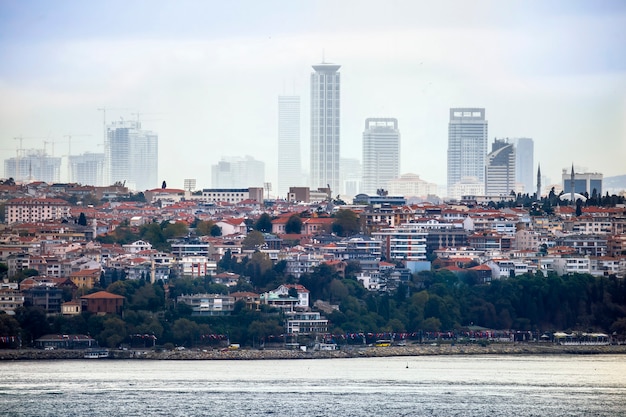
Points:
(381, 153)
(467, 146)
(131, 156)
(289, 164)
(524, 163)
(325, 126)
(33, 165)
(583, 182)
(237, 172)
(351, 176)
(87, 169)
(500, 169)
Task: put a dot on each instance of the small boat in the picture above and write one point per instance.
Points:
(96, 354)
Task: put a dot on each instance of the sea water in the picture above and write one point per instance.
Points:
(499, 385)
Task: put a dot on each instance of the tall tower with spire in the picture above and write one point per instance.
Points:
(538, 195)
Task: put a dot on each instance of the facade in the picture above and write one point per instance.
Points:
(29, 210)
(102, 302)
(351, 175)
(467, 146)
(87, 169)
(410, 185)
(584, 182)
(403, 242)
(47, 297)
(237, 172)
(381, 153)
(500, 169)
(232, 195)
(131, 156)
(10, 300)
(289, 162)
(524, 163)
(325, 126)
(33, 165)
(208, 304)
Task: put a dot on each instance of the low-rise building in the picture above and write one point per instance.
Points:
(208, 304)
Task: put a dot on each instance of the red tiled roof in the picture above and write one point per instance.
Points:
(100, 295)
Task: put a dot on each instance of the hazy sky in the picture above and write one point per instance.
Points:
(207, 75)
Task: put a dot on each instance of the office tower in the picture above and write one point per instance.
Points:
(237, 172)
(289, 164)
(86, 169)
(131, 156)
(467, 147)
(524, 163)
(351, 173)
(583, 182)
(381, 153)
(500, 169)
(325, 126)
(33, 165)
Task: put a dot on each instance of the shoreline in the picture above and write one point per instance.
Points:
(351, 352)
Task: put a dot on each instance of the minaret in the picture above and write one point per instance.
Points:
(573, 201)
(538, 182)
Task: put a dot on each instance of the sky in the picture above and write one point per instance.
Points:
(206, 76)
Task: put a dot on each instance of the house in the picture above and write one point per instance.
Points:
(86, 278)
(71, 308)
(233, 226)
(103, 302)
(251, 299)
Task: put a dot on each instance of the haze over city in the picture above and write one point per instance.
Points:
(206, 76)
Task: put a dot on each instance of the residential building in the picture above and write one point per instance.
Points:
(196, 266)
(22, 210)
(289, 161)
(467, 146)
(237, 172)
(208, 304)
(48, 297)
(410, 185)
(33, 165)
(131, 156)
(232, 195)
(381, 153)
(403, 242)
(305, 322)
(87, 169)
(325, 126)
(500, 169)
(10, 299)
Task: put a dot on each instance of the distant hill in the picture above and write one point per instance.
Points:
(614, 184)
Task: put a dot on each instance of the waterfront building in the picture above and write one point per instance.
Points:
(131, 156)
(325, 126)
(467, 147)
(381, 153)
(289, 161)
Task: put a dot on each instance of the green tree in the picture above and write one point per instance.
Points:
(82, 220)
(294, 224)
(113, 333)
(253, 240)
(346, 223)
(264, 223)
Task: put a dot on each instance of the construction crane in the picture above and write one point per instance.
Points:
(19, 152)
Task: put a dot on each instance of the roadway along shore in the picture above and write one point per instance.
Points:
(351, 352)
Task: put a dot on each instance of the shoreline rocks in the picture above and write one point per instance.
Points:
(349, 352)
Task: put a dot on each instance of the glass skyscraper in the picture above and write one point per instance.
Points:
(325, 126)
(467, 147)
(289, 163)
(381, 153)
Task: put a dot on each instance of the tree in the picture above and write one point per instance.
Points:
(164, 185)
(264, 223)
(346, 223)
(216, 231)
(293, 225)
(579, 207)
(82, 220)
(253, 240)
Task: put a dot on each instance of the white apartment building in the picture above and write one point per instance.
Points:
(29, 210)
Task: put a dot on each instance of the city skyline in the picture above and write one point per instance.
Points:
(552, 72)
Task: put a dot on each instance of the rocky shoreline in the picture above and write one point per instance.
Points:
(352, 352)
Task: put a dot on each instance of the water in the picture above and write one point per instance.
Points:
(430, 386)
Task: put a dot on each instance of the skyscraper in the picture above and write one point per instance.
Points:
(237, 172)
(87, 169)
(131, 155)
(467, 146)
(381, 153)
(33, 165)
(524, 163)
(289, 164)
(325, 126)
(500, 169)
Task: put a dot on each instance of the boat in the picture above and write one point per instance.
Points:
(96, 354)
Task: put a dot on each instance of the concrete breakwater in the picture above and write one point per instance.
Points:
(350, 352)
